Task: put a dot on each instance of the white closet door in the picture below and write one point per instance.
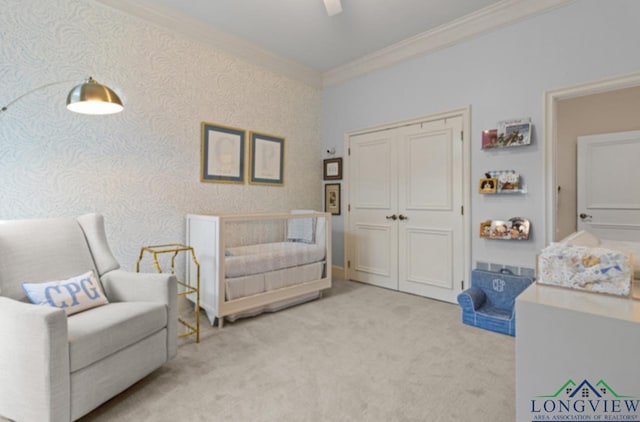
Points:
(431, 261)
(373, 234)
(406, 229)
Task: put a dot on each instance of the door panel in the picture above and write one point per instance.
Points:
(373, 254)
(438, 244)
(428, 180)
(373, 237)
(609, 185)
(371, 175)
(431, 238)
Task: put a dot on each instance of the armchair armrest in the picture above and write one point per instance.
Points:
(34, 362)
(471, 299)
(125, 286)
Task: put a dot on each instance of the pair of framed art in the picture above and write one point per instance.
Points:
(223, 153)
(332, 171)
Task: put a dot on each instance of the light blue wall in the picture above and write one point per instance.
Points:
(502, 74)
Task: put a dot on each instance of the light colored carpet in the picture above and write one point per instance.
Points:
(360, 353)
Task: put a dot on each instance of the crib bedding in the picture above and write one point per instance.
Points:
(254, 284)
(260, 258)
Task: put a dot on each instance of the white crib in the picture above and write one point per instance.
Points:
(254, 263)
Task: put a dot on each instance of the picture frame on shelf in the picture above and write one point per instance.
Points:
(489, 138)
(519, 228)
(514, 132)
(516, 228)
(488, 185)
(267, 159)
(222, 154)
(485, 228)
(332, 169)
(332, 198)
(509, 181)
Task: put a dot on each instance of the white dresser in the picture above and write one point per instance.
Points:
(577, 356)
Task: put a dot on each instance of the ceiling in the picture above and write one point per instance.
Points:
(302, 31)
(303, 39)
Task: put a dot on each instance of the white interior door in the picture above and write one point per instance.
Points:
(373, 234)
(609, 185)
(431, 261)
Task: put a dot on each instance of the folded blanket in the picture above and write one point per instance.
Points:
(585, 268)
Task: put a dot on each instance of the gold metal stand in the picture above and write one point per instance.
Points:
(187, 289)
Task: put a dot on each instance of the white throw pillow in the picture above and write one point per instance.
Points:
(73, 295)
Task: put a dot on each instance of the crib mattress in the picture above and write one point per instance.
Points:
(255, 259)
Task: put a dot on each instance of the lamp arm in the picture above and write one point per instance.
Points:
(4, 108)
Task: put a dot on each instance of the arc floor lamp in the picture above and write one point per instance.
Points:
(89, 97)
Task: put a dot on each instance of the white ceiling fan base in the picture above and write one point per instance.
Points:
(333, 7)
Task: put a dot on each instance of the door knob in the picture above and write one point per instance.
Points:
(392, 217)
(403, 217)
(584, 216)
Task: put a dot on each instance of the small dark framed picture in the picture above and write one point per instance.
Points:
(332, 198)
(333, 169)
(488, 185)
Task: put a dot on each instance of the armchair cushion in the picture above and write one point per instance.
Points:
(74, 295)
(103, 331)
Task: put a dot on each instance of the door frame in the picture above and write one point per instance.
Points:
(465, 114)
(549, 144)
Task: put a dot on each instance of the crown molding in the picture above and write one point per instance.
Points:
(484, 20)
(249, 52)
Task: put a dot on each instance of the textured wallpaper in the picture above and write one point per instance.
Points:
(140, 168)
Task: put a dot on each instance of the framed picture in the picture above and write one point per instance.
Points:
(333, 169)
(332, 198)
(222, 154)
(488, 185)
(267, 159)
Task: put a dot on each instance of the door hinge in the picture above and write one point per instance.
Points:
(349, 208)
(462, 210)
(349, 151)
(462, 285)
(462, 135)
(348, 264)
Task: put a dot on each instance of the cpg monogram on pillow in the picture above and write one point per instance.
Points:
(73, 295)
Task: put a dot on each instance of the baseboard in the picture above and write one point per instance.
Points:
(337, 272)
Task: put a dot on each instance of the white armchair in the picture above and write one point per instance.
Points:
(56, 367)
